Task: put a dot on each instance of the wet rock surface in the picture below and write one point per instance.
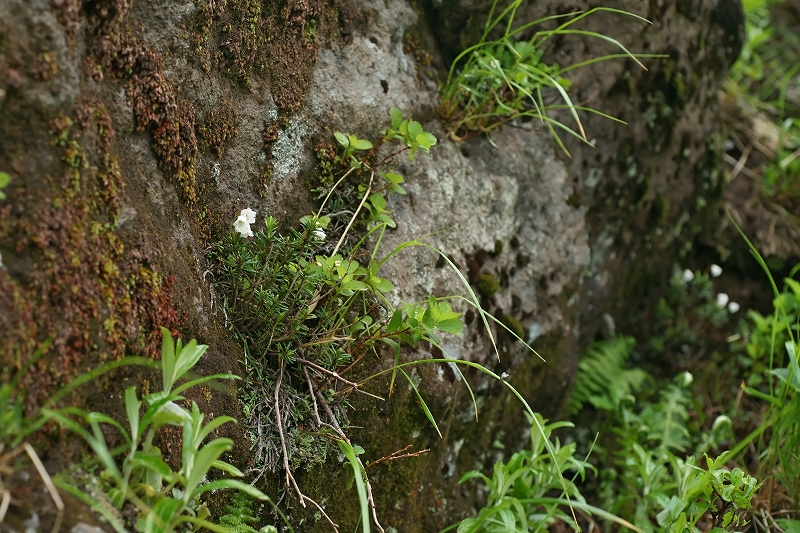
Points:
(554, 241)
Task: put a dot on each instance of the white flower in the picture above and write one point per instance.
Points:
(319, 234)
(686, 379)
(687, 276)
(716, 270)
(733, 307)
(242, 226)
(722, 300)
(249, 215)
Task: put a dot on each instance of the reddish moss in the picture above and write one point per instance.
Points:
(71, 277)
(125, 57)
(44, 67)
(218, 128)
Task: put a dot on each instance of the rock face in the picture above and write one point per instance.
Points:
(134, 131)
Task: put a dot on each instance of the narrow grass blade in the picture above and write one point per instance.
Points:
(425, 409)
(361, 488)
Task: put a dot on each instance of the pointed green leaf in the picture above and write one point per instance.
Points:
(342, 138)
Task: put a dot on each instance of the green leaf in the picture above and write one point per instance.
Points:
(342, 138)
(227, 467)
(211, 426)
(204, 379)
(414, 129)
(473, 474)
(162, 514)
(230, 484)
(396, 322)
(5, 179)
(381, 284)
(360, 144)
(377, 200)
(394, 178)
(789, 525)
(358, 475)
(167, 360)
(451, 325)
(100, 418)
(397, 117)
(423, 142)
(188, 357)
(152, 462)
(132, 409)
(204, 460)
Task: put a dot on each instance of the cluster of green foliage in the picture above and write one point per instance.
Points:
(761, 82)
(605, 364)
(239, 516)
(167, 500)
(521, 491)
(501, 79)
(316, 312)
(775, 339)
(649, 481)
(291, 303)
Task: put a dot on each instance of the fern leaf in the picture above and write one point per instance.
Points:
(602, 380)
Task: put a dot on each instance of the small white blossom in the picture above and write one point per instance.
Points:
(686, 379)
(687, 276)
(249, 215)
(242, 226)
(722, 300)
(733, 307)
(319, 234)
(715, 271)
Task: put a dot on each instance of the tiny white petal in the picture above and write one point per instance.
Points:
(686, 378)
(319, 234)
(722, 300)
(716, 270)
(249, 215)
(733, 307)
(687, 276)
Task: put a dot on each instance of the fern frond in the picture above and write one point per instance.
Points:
(603, 380)
(667, 420)
(240, 515)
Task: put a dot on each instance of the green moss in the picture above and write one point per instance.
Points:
(498, 247)
(514, 325)
(487, 285)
